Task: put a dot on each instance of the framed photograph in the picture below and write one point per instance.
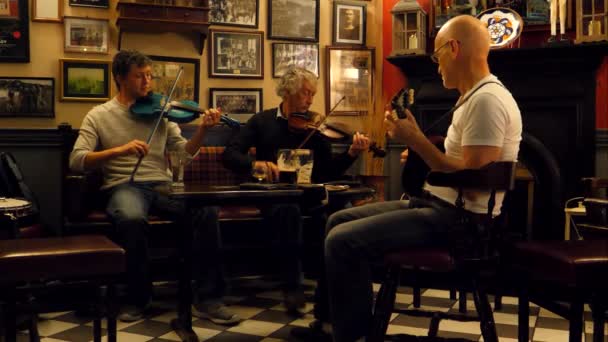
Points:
(284, 55)
(349, 23)
(14, 31)
(293, 20)
(236, 54)
(239, 104)
(47, 10)
(164, 71)
(85, 79)
(90, 3)
(27, 97)
(350, 76)
(86, 35)
(234, 12)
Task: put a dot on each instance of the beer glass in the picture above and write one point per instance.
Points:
(295, 166)
(177, 162)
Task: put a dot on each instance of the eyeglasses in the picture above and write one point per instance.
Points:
(435, 55)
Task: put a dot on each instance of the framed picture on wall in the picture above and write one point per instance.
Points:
(293, 20)
(47, 10)
(91, 3)
(349, 23)
(234, 12)
(350, 76)
(85, 79)
(164, 71)
(238, 103)
(284, 55)
(27, 97)
(14, 31)
(236, 54)
(86, 35)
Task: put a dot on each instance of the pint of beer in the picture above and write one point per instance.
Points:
(295, 166)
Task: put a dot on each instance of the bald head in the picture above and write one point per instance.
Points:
(471, 32)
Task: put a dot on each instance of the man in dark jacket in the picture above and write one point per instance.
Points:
(268, 131)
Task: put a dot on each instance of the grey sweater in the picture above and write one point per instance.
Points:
(110, 125)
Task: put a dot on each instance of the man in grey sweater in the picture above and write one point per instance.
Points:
(113, 139)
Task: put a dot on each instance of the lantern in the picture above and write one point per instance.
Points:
(591, 20)
(409, 28)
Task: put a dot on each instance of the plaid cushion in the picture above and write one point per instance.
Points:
(207, 167)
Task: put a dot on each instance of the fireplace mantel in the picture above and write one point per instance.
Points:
(555, 90)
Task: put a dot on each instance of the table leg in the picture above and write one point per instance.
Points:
(183, 323)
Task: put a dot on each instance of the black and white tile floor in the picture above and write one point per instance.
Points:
(258, 302)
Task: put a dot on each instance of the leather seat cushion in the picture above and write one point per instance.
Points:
(435, 259)
(571, 263)
(58, 258)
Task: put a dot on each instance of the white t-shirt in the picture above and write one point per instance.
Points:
(490, 117)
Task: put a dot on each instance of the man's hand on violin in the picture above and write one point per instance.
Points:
(210, 118)
(137, 147)
(360, 144)
(403, 130)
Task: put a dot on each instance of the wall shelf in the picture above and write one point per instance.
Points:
(144, 17)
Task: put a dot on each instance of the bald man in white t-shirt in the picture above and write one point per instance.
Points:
(485, 128)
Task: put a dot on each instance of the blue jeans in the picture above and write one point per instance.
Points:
(128, 207)
(357, 236)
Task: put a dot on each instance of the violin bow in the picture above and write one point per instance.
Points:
(160, 117)
(320, 123)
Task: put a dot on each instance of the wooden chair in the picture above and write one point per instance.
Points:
(469, 255)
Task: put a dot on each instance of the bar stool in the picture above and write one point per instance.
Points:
(561, 276)
(69, 261)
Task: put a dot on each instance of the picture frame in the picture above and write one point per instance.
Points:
(238, 103)
(50, 11)
(85, 79)
(86, 35)
(350, 80)
(14, 31)
(236, 54)
(164, 71)
(284, 14)
(284, 55)
(243, 13)
(349, 22)
(27, 97)
(91, 3)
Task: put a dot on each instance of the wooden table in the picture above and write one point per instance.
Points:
(197, 196)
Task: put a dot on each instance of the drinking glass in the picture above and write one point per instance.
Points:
(295, 166)
(177, 161)
(259, 172)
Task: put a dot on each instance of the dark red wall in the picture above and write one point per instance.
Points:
(393, 79)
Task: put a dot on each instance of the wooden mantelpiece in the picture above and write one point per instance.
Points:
(555, 88)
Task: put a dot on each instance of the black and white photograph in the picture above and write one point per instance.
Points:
(236, 54)
(239, 104)
(234, 12)
(304, 55)
(27, 97)
(86, 35)
(91, 3)
(349, 20)
(293, 20)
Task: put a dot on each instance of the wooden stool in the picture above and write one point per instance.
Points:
(91, 258)
(572, 272)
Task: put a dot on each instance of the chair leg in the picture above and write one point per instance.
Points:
(33, 328)
(576, 320)
(416, 288)
(523, 314)
(97, 328)
(453, 294)
(385, 302)
(462, 301)
(484, 310)
(111, 312)
(10, 314)
(598, 310)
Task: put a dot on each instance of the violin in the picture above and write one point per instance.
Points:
(151, 106)
(313, 122)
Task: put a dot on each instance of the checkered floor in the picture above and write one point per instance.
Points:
(259, 302)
